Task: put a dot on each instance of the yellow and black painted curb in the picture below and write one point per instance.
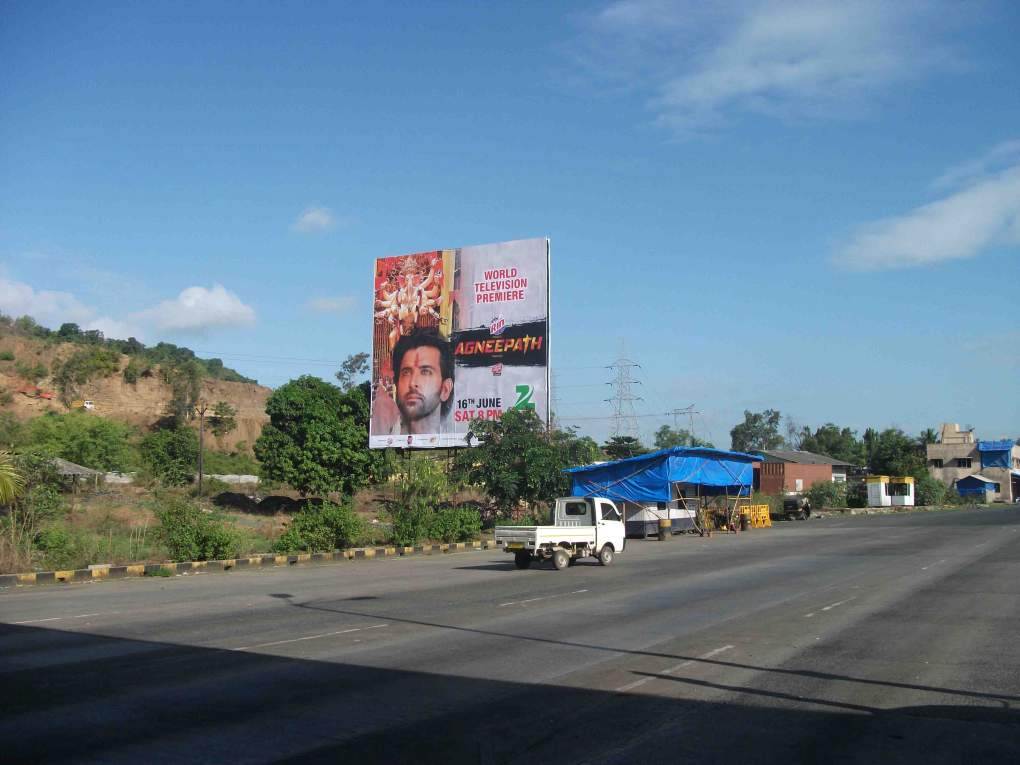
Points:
(98, 573)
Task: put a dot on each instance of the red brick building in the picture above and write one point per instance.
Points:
(794, 471)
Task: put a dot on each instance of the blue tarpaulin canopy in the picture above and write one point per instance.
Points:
(650, 477)
(996, 453)
(974, 484)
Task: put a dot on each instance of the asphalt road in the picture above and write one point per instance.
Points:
(865, 639)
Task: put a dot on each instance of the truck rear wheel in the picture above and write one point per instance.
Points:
(606, 555)
(561, 559)
(522, 559)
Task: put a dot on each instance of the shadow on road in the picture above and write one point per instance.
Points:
(812, 674)
(71, 696)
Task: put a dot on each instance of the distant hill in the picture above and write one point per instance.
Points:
(42, 370)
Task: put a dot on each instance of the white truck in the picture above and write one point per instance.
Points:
(583, 526)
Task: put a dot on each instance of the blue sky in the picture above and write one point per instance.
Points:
(809, 206)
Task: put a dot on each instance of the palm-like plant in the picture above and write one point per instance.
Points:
(11, 481)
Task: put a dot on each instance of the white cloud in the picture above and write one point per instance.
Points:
(197, 309)
(984, 213)
(48, 307)
(51, 308)
(338, 305)
(706, 64)
(314, 220)
(1002, 156)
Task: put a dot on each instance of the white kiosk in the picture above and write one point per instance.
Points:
(886, 491)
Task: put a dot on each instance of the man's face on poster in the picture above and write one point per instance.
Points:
(421, 387)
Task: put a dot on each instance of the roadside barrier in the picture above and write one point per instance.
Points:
(99, 572)
(759, 516)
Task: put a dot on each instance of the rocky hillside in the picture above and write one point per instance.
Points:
(141, 403)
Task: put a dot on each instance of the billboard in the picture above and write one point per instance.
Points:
(458, 335)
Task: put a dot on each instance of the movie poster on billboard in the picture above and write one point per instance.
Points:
(458, 335)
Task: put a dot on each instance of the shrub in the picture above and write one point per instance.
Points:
(189, 534)
(6, 398)
(929, 490)
(95, 442)
(229, 463)
(38, 503)
(455, 524)
(31, 372)
(211, 487)
(6, 355)
(171, 455)
(827, 494)
(528, 519)
(420, 490)
(86, 364)
(135, 369)
(58, 546)
(321, 528)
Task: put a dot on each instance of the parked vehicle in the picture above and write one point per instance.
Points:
(796, 507)
(582, 527)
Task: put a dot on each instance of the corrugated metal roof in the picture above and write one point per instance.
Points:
(802, 457)
(977, 477)
(69, 468)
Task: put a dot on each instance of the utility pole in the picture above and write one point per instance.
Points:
(689, 411)
(202, 407)
(624, 418)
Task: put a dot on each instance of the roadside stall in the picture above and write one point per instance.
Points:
(670, 488)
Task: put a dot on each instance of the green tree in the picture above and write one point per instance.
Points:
(82, 438)
(833, 441)
(621, 447)
(185, 380)
(80, 367)
(135, 369)
(894, 453)
(69, 331)
(11, 481)
(518, 460)
(759, 431)
(223, 419)
(353, 367)
(927, 436)
(666, 437)
(317, 438)
(171, 454)
(31, 327)
(36, 502)
(574, 450)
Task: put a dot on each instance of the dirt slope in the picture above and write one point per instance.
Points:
(140, 404)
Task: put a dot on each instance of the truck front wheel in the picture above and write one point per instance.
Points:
(606, 555)
(522, 559)
(561, 559)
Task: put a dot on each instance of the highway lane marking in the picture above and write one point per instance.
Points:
(311, 637)
(671, 670)
(36, 621)
(925, 568)
(544, 597)
(830, 606)
(57, 618)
